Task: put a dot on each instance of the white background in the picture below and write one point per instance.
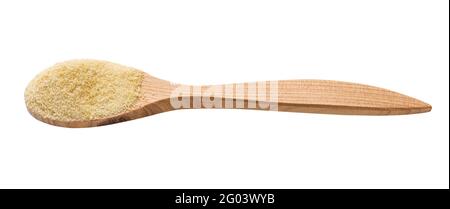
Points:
(399, 45)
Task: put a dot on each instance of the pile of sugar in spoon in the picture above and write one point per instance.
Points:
(79, 90)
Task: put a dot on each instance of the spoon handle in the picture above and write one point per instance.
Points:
(310, 96)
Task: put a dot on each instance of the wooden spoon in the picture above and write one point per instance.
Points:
(308, 96)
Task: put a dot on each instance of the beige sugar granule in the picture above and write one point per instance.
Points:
(83, 90)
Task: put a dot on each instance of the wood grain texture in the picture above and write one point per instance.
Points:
(308, 96)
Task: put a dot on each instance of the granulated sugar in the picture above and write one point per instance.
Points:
(83, 90)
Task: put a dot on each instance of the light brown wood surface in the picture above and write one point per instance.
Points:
(308, 96)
